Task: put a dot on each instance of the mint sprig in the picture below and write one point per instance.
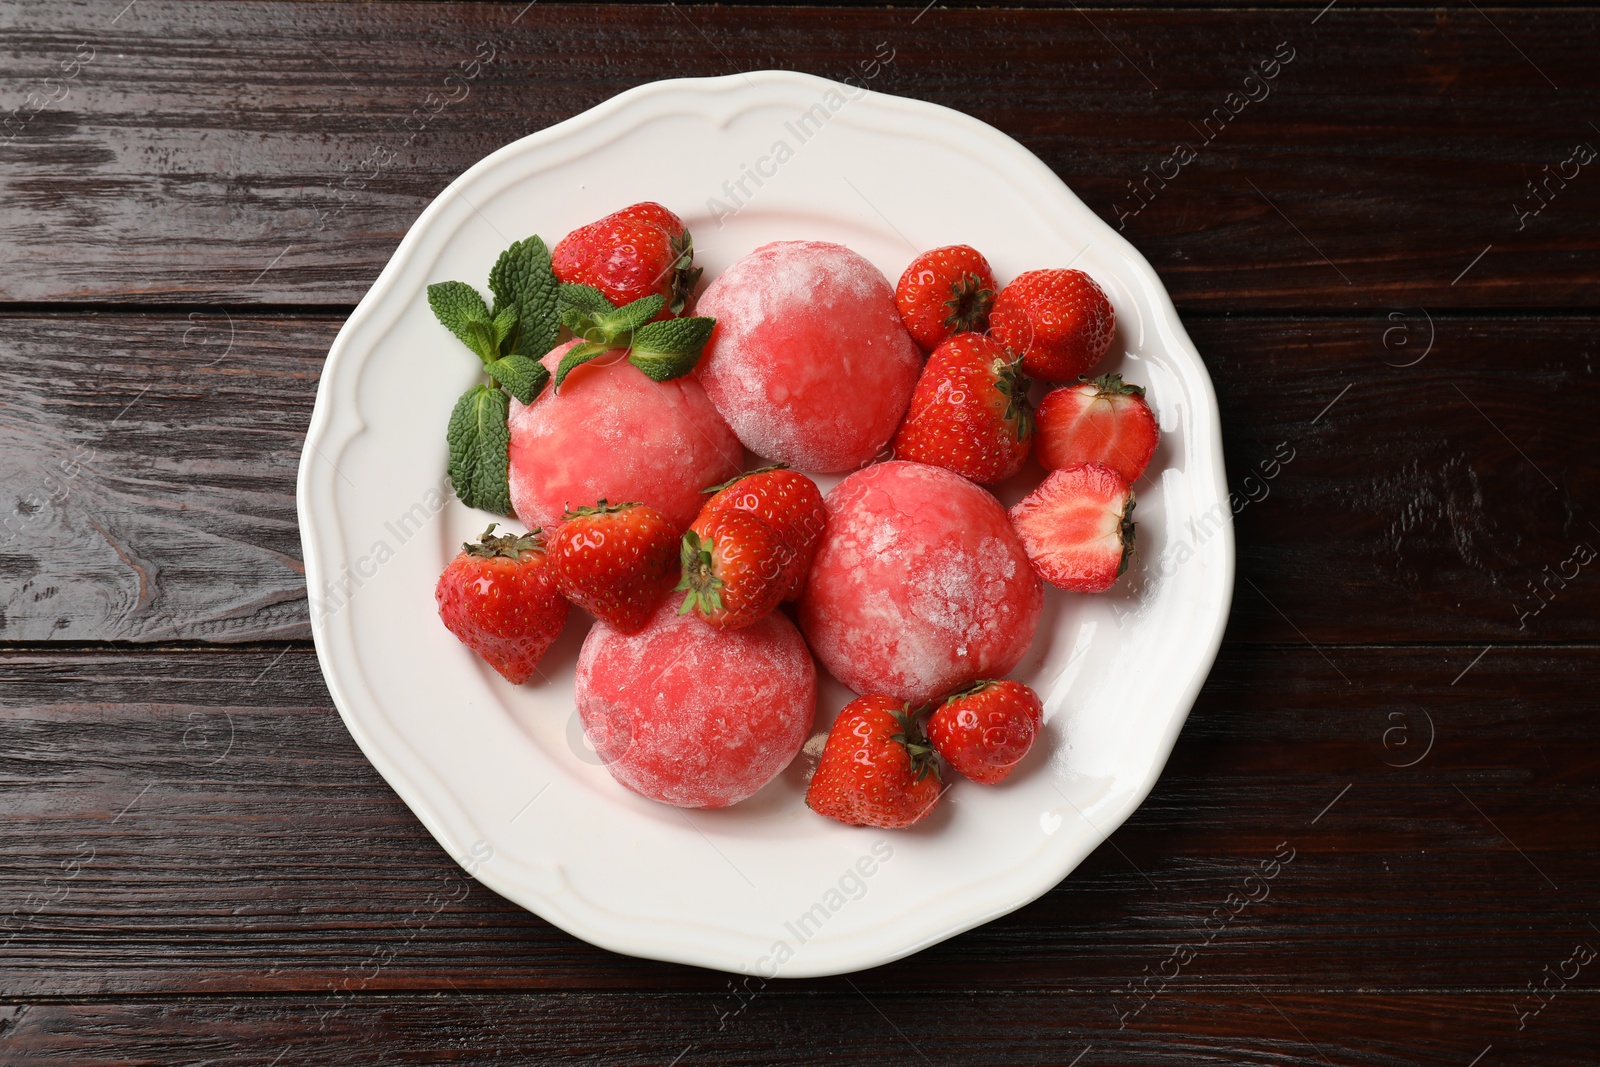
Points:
(508, 339)
(663, 350)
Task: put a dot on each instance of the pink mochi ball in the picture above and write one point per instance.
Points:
(920, 585)
(611, 433)
(809, 361)
(690, 715)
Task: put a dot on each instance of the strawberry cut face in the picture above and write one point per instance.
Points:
(1105, 421)
(1077, 527)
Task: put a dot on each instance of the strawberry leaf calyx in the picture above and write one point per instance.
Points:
(684, 273)
(737, 478)
(699, 582)
(972, 690)
(1014, 385)
(968, 305)
(601, 507)
(1126, 531)
(915, 742)
(1112, 385)
(511, 546)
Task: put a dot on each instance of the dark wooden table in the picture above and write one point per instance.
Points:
(1388, 254)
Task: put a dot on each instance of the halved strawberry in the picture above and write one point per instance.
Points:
(498, 597)
(787, 501)
(945, 292)
(877, 768)
(733, 568)
(1077, 527)
(969, 412)
(1103, 421)
(614, 561)
(630, 254)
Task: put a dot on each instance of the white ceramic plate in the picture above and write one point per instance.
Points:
(501, 776)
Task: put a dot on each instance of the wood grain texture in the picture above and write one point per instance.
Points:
(257, 152)
(197, 864)
(1441, 501)
(199, 823)
(1313, 1029)
(147, 471)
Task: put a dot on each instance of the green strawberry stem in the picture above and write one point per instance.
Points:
(915, 743)
(1112, 385)
(737, 478)
(512, 546)
(968, 305)
(701, 585)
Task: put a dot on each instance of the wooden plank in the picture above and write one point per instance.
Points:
(1440, 501)
(252, 152)
(1323, 1029)
(199, 823)
(147, 471)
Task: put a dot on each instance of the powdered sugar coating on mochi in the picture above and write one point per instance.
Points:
(920, 585)
(612, 433)
(809, 362)
(693, 716)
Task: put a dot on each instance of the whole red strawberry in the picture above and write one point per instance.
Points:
(984, 731)
(945, 292)
(791, 504)
(498, 597)
(1059, 321)
(969, 412)
(1077, 527)
(1105, 421)
(876, 768)
(631, 254)
(614, 561)
(733, 568)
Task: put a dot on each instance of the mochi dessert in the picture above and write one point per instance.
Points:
(693, 716)
(919, 586)
(611, 433)
(809, 362)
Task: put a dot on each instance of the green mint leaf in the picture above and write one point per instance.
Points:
(479, 437)
(630, 317)
(670, 348)
(522, 376)
(460, 307)
(505, 324)
(583, 309)
(577, 356)
(585, 298)
(483, 339)
(580, 322)
(613, 326)
(522, 280)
